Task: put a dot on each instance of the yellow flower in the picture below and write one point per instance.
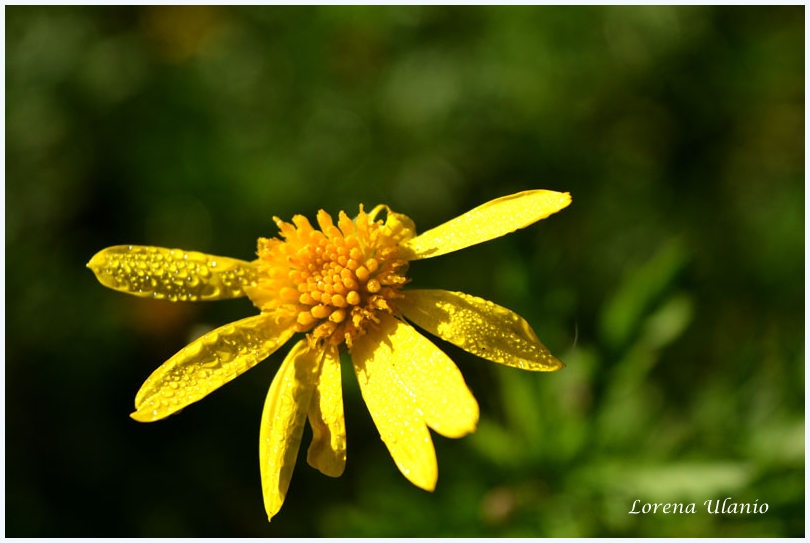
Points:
(340, 285)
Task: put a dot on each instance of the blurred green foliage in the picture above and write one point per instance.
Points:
(672, 287)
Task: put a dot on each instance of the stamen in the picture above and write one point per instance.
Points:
(320, 311)
(338, 316)
(362, 273)
(305, 319)
(350, 284)
(334, 281)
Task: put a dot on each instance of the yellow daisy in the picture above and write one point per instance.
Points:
(341, 286)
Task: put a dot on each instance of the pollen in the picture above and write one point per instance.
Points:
(333, 282)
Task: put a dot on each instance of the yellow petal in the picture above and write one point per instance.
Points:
(478, 326)
(206, 364)
(171, 274)
(327, 452)
(400, 226)
(392, 406)
(488, 221)
(430, 376)
(283, 418)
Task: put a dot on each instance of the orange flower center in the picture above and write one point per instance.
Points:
(331, 282)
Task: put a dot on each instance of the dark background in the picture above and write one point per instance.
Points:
(672, 287)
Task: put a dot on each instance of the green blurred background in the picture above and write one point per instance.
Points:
(673, 287)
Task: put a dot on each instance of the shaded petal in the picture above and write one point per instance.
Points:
(400, 226)
(479, 327)
(283, 418)
(171, 274)
(208, 363)
(392, 406)
(327, 452)
(488, 221)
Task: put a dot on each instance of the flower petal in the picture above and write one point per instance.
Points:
(171, 274)
(433, 379)
(283, 418)
(392, 406)
(479, 327)
(488, 221)
(327, 452)
(400, 226)
(206, 364)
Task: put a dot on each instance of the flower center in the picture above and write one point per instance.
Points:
(331, 282)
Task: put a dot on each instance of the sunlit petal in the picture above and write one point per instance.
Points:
(327, 452)
(171, 274)
(433, 379)
(478, 326)
(208, 363)
(393, 407)
(488, 221)
(283, 417)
